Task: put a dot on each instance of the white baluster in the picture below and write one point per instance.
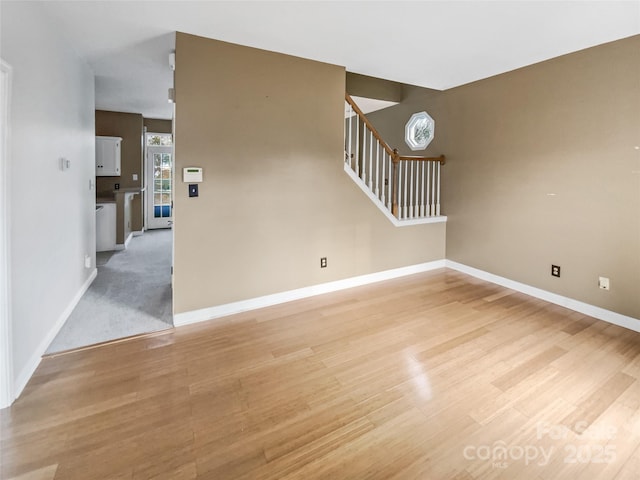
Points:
(421, 191)
(389, 182)
(405, 188)
(428, 184)
(364, 153)
(350, 135)
(368, 176)
(357, 139)
(411, 191)
(438, 199)
(383, 189)
(417, 195)
(399, 189)
(377, 168)
(399, 192)
(426, 189)
(433, 191)
(371, 161)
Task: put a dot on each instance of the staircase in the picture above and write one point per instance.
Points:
(405, 188)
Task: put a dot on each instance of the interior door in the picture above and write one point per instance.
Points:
(159, 186)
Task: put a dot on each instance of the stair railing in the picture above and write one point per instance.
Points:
(407, 186)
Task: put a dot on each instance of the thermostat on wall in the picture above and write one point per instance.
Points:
(192, 174)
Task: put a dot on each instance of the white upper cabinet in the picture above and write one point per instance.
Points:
(108, 156)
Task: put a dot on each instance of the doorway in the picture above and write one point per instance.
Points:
(159, 174)
(132, 292)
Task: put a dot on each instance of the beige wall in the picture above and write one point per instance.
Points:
(569, 127)
(390, 122)
(371, 87)
(156, 125)
(137, 214)
(267, 129)
(129, 126)
(125, 205)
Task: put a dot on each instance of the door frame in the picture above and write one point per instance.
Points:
(6, 339)
(150, 150)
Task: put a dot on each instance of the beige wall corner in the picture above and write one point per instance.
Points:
(543, 168)
(268, 130)
(371, 87)
(137, 218)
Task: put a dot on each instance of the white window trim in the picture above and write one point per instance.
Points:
(409, 131)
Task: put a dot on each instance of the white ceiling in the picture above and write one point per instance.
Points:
(434, 44)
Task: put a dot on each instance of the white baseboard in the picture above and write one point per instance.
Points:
(123, 246)
(218, 311)
(576, 305)
(137, 233)
(34, 361)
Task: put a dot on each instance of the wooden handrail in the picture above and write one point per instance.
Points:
(393, 153)
(368, 124)
(395, 157)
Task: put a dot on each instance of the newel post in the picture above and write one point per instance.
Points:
(394, 186)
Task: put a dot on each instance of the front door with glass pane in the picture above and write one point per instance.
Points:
(159, 186)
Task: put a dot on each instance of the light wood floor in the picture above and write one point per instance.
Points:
(431, 376)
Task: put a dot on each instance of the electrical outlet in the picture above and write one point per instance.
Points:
(555, 270)
(323, 262)
(134, 177)
(603, 283)
(116, 186)
(87, 261)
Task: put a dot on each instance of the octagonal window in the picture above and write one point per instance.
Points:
(419, 131)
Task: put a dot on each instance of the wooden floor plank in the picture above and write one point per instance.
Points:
(418, 377)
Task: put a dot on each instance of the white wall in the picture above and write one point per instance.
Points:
(52, 224)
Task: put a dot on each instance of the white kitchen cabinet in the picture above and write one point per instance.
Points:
(108, 156)
(105, 227)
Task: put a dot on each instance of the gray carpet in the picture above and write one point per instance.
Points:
(102, 258)
(130, 295)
